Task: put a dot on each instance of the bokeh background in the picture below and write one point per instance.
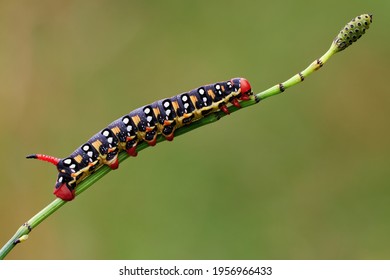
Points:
(304, 175)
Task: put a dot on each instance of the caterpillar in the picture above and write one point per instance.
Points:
(143, 124)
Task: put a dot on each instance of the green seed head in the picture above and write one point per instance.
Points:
(352, 31)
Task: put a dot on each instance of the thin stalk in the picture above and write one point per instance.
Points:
(349, 34)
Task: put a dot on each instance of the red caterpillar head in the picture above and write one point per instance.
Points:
(244, 86)
(246, 90)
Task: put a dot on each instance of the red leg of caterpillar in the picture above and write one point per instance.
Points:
(225, 109)
(236, 103)
(64, 192)
(114, 163)
(46, 158)
(152, 142)
(170, 137)
(132, 151)
(244, 96)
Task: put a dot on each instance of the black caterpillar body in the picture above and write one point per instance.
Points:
(143, 124)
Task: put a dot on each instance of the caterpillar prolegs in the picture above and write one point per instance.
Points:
(143, 124)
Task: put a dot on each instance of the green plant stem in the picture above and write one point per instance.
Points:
(340, 43)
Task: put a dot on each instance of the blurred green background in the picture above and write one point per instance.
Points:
(304, 175)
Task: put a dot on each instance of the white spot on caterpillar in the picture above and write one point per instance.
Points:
(217, 86)
(166, 104)
(60, 179)
(168, 112)
(90, 154)
(201, 91)
(184, 98)
(106, 133)
(147, 110)
(85, 148)
(72, 166)
(129, 128)
(149, 119)
(109, 139)
(204, 99)
(68, 161)
(186, 105)
(126, 120)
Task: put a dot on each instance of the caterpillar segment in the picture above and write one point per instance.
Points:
(143, 124)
